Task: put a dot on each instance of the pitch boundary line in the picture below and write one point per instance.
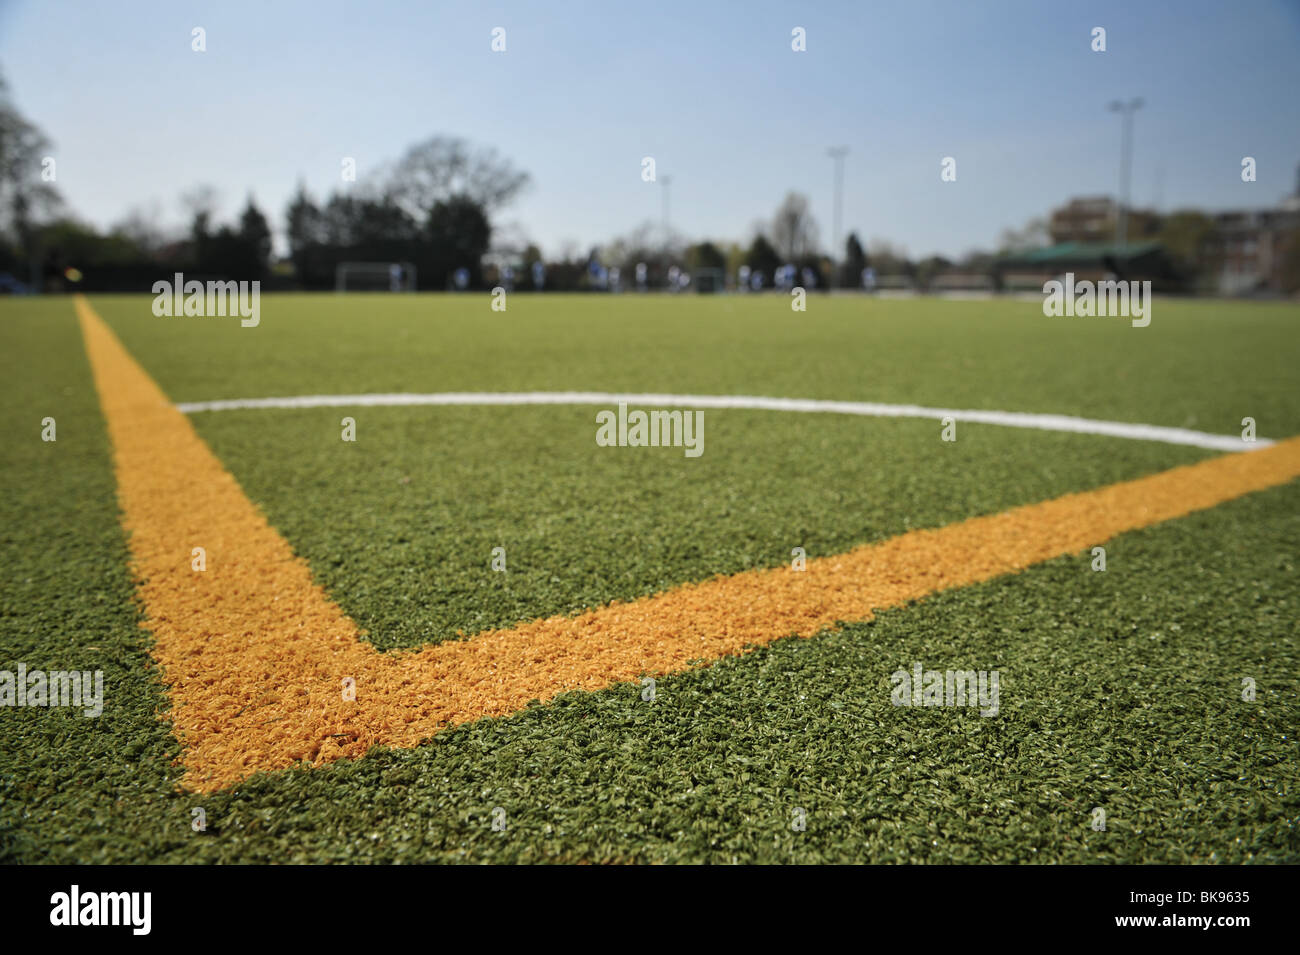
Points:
(871, 409)
(264, 670)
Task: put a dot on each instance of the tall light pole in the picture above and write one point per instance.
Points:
(1126, 111)
(837, 153)
(666, 181)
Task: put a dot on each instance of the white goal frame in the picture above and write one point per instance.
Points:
(400, 276)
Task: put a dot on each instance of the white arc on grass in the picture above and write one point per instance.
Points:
(870, 409)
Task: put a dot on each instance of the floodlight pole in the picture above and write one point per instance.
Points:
(666, 181)
(837, 153)
(1126, 111)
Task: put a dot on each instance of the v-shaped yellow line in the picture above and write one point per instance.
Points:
(255, 654)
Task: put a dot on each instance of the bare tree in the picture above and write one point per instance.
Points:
(442, 167)
(25, 195)
(645, 243)
(887, 258)
(142, 226)
(201, 203)
(794, 230)
(1034, 235)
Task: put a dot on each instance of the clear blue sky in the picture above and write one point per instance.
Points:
(712, 91)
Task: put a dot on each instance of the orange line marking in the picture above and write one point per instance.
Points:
(254, 653)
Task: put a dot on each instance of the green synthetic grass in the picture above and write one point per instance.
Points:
(1119, 690)
(400, 526)
(1202, 365)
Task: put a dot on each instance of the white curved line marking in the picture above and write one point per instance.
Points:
(1009, 419)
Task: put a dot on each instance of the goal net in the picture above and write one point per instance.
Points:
(374, 277)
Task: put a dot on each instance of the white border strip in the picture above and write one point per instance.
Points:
(1009, 419)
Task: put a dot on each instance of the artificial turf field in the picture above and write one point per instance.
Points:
(1119, 690)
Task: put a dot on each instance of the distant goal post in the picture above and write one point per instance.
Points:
(374, 277)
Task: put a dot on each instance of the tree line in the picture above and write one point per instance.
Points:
(433, 208)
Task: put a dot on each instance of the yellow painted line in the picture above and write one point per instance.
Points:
(254, 654)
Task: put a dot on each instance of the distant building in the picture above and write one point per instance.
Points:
(1246, 254)
(1094, 261)
(1094, 219)
(1089, 219)
(1250, 248)
(1292, 202)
